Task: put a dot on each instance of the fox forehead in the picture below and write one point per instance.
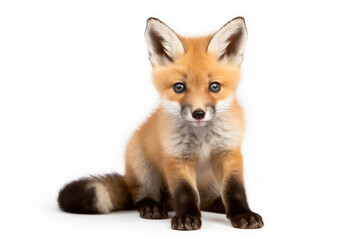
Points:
(197, 67)
(196, 57)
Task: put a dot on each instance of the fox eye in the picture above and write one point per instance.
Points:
(214, 87)
(179, 87)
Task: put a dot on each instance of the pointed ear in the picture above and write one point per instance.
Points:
(163, 44)
(228, 44)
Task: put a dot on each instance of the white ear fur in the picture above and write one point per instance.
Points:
(163, 44)
(228, 44)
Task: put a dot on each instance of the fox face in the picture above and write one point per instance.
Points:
(196, 78)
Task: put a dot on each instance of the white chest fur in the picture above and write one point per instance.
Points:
(188, 140)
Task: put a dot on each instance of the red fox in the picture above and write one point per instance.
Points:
(186, 157)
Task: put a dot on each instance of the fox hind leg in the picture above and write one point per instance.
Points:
(148, 192)
(151, 209)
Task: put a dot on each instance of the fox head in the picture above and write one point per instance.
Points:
(196, 78)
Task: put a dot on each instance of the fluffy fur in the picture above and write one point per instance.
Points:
(176, 161)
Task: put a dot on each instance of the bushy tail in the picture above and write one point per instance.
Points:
(102, 194)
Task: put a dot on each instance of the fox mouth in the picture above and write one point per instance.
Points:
(198, 123)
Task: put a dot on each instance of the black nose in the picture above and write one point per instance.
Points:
(198, 114)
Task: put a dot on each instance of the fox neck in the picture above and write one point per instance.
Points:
(216, 135)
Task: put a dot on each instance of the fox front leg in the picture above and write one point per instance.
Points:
(180, 175)
(229, 171)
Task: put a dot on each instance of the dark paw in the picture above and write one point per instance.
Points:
(249, 220)
(185, 223)
(150, 209)
(217, 206)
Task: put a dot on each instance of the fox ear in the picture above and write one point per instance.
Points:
(228, 44)
(163, 44)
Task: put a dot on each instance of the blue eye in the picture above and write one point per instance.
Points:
(214, 87)
(179, 87)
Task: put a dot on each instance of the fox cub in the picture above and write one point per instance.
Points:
(186, 157)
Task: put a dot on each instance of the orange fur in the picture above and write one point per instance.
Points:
(197, 68)
(190, 147)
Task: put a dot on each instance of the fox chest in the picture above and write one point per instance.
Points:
(202, 142)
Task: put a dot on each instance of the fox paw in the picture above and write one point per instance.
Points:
(150, 209)
(185, 223)
(249, 220)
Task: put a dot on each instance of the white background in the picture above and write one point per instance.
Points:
(75, 83)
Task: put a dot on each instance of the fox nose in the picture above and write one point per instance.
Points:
(198, 114)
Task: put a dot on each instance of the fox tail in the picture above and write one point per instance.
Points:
(95, 194)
